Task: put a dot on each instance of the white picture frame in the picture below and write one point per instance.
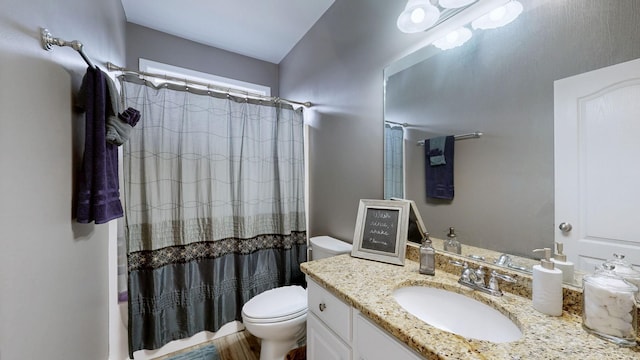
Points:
(416, 231)
(381, 231)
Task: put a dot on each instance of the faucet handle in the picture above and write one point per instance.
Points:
(467, 273)
(462, 264)
(493, 281)
(507, 278)
(503, 260)
(479, 278)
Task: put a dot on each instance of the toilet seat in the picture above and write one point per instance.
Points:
(276, 305)
(246, 318)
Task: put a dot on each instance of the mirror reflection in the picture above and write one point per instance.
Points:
(500, 83)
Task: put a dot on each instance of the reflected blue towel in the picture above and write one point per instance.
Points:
(208, 352)
(436, 150)
(439, 178)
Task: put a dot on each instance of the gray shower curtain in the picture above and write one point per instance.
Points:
(393, 161)
(214, 207)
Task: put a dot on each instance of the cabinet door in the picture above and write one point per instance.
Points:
(322, 343)
(372, 343)
(331, 310)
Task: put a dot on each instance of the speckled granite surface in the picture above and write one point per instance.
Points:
(572, 295)
(368, 285)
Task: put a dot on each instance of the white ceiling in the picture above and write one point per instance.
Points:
(262, 29)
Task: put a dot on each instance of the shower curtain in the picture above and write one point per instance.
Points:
(393, 161)
(214, 207)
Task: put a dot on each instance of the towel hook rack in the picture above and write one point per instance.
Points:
(48, 41)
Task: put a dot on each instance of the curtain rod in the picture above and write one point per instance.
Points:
(473, 135)
(48, 40)
(397, 123)
(113, 67)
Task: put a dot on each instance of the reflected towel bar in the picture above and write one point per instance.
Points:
(473, 135)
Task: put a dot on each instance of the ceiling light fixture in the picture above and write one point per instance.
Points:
(453, 39)
(417, 16)
(499, 16)
(454, 4)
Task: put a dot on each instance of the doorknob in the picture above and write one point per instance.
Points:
(565, 227)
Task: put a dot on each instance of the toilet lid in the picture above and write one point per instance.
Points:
(277, 304)
(330, 245)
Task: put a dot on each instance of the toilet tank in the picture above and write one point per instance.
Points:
(326, 246)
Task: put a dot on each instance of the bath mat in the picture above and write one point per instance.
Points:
(208, 352)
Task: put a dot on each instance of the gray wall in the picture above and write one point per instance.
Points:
(143, 42)
(53, 271)
(338, 66)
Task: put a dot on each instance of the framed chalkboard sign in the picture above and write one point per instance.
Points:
(381, 231)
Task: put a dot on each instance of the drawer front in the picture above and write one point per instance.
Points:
(331, 310)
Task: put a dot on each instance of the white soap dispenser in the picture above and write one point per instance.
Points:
(560, 262)
(547, 286)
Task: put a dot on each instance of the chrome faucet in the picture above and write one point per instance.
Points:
(505, 261)
(475, 279)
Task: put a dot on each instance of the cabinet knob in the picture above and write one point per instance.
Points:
(322, 306)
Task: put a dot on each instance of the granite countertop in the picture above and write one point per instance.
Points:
(368, 285)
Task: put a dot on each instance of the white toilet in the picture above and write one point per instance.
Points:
(279, 316)
(326, 246)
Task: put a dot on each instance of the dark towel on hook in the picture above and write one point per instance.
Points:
(439, 178)
(98, 186)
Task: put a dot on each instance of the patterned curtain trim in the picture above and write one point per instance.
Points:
(157, 236)
(143, 260)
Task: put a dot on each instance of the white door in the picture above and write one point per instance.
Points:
(597, 164)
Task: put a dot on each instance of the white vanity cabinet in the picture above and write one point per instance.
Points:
(328, 325)
(372, 343)
(336, 331)
(322, 343)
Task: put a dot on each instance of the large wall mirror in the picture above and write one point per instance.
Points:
(501, 83)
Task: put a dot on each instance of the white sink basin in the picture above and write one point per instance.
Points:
(456, 313)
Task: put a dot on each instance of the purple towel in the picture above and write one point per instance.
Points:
(130, 116)
(118, 128)
(98, 187)
(439, 178)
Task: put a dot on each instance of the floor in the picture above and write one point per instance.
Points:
(237, 346)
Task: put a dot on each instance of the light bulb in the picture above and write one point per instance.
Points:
(417, 15)
(499, 16)
(453, 39)
(498, 13)
(452, 36)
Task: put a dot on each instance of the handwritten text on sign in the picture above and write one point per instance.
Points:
(380, 230)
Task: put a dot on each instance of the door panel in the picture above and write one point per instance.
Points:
(597, 164)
